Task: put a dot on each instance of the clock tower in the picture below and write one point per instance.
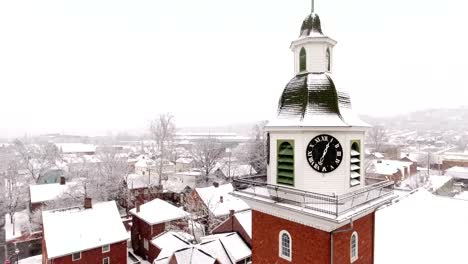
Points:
(315, 206)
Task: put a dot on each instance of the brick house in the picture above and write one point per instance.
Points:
(43, 196)
(214, 203)
(150, 220)
(90, 234)
(240, 222)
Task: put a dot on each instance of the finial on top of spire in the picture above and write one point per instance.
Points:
(313, 6)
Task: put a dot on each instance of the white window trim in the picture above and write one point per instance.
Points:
(105, 251)
(108, 260)
(280, 242)
(73, 259)
(354, 234)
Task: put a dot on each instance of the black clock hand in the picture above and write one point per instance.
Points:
(324, 153)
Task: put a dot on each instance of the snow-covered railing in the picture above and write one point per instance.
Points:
(334, 205)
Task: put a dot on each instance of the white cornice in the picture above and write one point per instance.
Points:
(314, 39)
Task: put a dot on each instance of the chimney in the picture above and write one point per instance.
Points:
(231, 213)
(216, 184)
(137, 205)
(88, 204)
(221, 199)
(62, 180)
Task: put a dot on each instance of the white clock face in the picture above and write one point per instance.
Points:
(324, 153)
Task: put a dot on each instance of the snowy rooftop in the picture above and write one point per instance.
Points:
(245, 219)
(73, 230)
(237, 170)
(430, 232)
(158, 211)
(169, 242)
(48, 192)
(458, 172)
(462, 196)
(193, 255)
(388, 167)
(211, 197)
(76, 147)
(137, 181)
(226, 247)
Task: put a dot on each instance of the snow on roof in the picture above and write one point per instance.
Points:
(76, 229)
(193, 255)
(388, 167)
(184, 160)
(438, 181)
(158, 211)
(238, 170)
(458, 172)
(169, 242)
(137, 181)
(211, 197)
(48, 192)
(31, 260)
(429, 233)
(245, 219)
(174, 185)
(226, 247)
(76, 147)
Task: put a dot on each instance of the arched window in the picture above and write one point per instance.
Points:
(328, 60)
(302, 60)
(354, 247)
(285, 245)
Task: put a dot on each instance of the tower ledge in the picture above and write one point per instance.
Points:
(331, 209)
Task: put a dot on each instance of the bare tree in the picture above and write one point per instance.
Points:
(206, 153)
(377, 136)
(37, 158)
(163, 131)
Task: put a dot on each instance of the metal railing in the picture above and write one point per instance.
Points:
(334, 205)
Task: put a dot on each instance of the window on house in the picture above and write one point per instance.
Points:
(328, 60)
(302, 60)
(106, 260)
(354, 247)
(76, 256)
(105, 248)
(285, 245)
(285, 162)
(355, 163)
(145, 243)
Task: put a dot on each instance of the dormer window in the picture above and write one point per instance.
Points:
(328, 60)
(302, 60)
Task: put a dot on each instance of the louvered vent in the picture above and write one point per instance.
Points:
(285, 162)
(355, 175)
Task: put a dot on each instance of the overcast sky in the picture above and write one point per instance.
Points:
(95, 66)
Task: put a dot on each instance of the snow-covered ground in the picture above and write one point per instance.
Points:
(462, 196)
(21, 225)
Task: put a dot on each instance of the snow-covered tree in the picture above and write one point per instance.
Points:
(257, 149)
(163, 132)
(112, 170)
(37, 158)
(15, 190)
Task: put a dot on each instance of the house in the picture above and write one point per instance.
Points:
(165, 244)
(234, 170)
(150, 220)
(458, 172)
(90, 234)
(184, 164)
(147, 166)
(214, 203)
(76, 148)
(140, 188)
(454, 159)
(393, 170)
(55, 195)
(188, 178)
(240, 222)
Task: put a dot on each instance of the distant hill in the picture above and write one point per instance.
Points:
(430, 119)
